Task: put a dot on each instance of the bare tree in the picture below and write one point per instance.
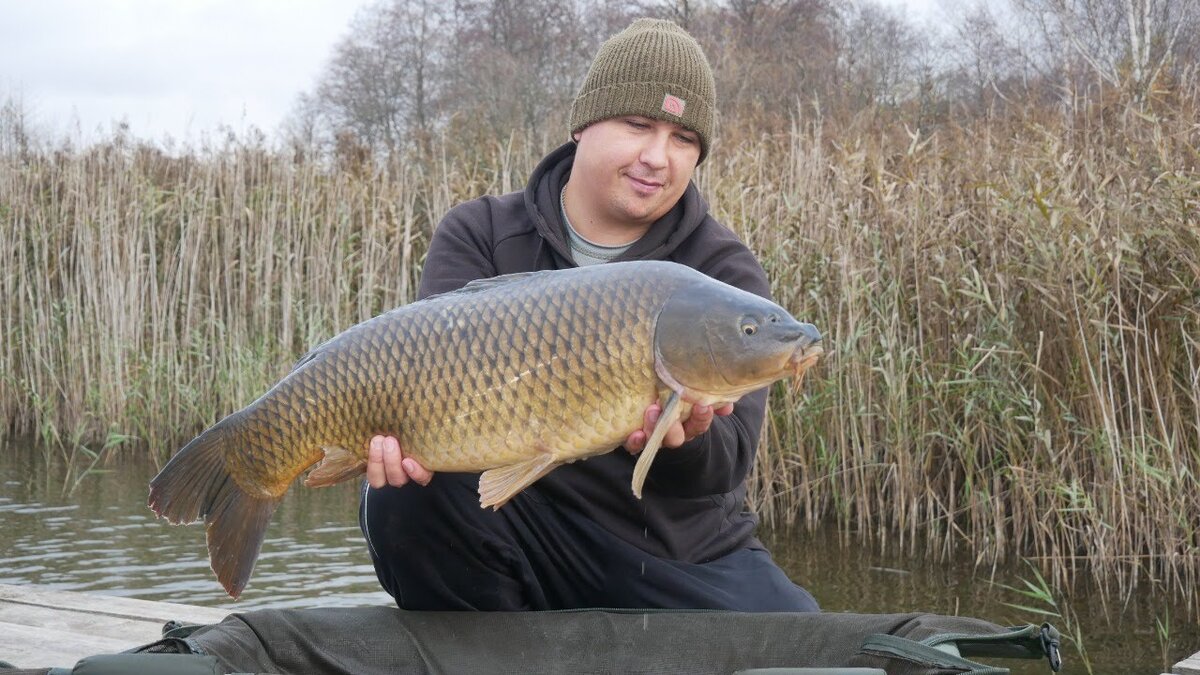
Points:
(518, 63)
(877, 55)
(1127, 43)
(682, 12)
(984, 60)
(382, 83)
(768, 55)
(304, 130)
(15, 133)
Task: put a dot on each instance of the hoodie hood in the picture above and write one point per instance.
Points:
(542, 201)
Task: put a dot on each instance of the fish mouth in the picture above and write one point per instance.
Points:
(805, 357)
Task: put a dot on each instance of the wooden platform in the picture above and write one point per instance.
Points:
(42, 627)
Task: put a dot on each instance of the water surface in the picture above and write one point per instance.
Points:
(102, 538)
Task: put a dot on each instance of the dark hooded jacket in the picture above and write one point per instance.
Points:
(693, 505)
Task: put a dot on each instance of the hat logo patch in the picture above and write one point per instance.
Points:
(673, 105)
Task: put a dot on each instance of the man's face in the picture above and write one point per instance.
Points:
(633, 168)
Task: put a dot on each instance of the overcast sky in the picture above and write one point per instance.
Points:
(171, 67)
(177, 67)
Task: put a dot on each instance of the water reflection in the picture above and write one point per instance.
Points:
(1119, 634)
(103, 539)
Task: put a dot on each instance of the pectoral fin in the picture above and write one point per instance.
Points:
(339, 464)
(670, 413)
(497, 486)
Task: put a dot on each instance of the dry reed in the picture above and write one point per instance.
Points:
(1011, 308)
(1012, 311)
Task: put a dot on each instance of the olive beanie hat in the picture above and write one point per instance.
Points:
(654, 69)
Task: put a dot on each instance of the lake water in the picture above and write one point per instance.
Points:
(102, 538)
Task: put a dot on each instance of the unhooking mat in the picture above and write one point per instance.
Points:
(379, 640)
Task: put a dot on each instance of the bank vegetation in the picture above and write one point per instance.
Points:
(1008, 279)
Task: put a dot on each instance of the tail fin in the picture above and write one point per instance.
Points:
(196, 484)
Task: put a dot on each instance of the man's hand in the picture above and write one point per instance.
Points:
(387, 465)
(680, 432)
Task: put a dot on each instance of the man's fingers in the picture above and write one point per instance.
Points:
(384, 463)
(675, 436)
(650, 419)
(636, 442)
(698, 421)
(393, 462)
(376, 475)
(418, 473)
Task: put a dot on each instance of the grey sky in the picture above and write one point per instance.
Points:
(177, 67)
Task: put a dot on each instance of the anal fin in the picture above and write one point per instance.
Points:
(338, 465)
(497, 486)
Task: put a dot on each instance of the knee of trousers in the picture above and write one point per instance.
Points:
(444, 513)
(433, 547)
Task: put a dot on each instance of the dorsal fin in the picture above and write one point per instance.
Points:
(312, 354)
(490, 282)
(472, 287)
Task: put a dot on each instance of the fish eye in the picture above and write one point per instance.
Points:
(749, 328)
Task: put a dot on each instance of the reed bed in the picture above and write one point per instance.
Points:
(1011, 309)
(149, 294)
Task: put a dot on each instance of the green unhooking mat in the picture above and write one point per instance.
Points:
(379, 640)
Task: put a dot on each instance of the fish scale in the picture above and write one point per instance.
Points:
(511, 376)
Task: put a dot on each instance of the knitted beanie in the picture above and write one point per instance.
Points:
(654, 69)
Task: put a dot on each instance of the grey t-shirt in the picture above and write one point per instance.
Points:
(583, 251)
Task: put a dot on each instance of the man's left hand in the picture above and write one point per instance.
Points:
(680, 431)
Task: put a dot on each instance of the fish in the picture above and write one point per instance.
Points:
(511, 376)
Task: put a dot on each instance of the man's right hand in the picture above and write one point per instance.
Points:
(387, 465)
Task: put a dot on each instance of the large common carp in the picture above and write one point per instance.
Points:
(512, 376)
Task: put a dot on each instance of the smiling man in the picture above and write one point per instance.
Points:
(620, 189)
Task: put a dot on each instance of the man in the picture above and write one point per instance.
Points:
(619, 190)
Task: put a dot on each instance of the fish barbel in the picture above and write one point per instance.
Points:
(512, 376)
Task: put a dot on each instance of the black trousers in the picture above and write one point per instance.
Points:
(435, 549)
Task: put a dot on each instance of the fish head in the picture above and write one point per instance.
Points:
(715, 343)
